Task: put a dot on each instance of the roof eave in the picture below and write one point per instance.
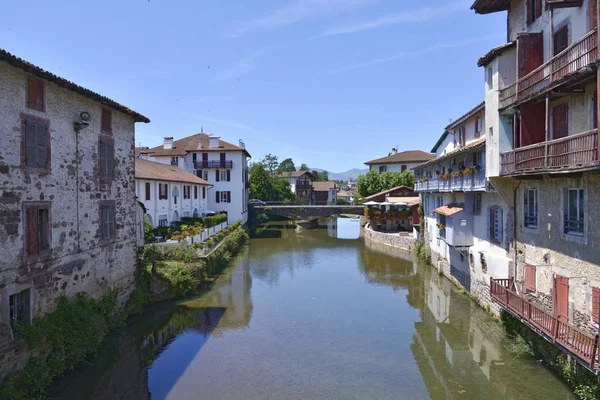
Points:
(490, 6)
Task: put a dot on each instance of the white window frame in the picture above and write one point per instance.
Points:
(489, 77)
(205, 175)
(223, 196)
(531, 209)
(223, 175)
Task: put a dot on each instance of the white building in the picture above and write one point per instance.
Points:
(68, 214)
(325, 193)
(399, 162)
(465, 220)
(223, 164)
(169, 193)
(300, 183)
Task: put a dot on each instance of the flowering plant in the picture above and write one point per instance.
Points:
(468, 171)
(457, 173)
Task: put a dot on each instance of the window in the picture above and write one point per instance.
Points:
(107, 221)
(195, 192)
(20, 307)
(163, 221)
(534, 10)
(530, 278)
(496, 224)
(147, 190)
(491, 132)
(479, 122)
(477, 204)
(106, 121)
(596, 304)
(402, 168)
(36, 144)
(218, 196)
(163, 191)
(574, 212)
(225, 197)
(560, 121)
(37, 228)
(205, 176)
(186, 192)
(35, 93)
(203, 192)
(561, 39)
(530, 208)
(175, 161)
(107, 155)
(382, 169)
(217, 175)
(224, 175)
(490, 77)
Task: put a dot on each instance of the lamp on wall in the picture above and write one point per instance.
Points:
(84, 121)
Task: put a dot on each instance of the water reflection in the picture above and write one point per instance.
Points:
(344, 228)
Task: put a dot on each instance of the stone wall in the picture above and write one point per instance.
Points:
(389, 239)
(78, 260)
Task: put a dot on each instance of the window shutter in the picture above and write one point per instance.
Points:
(218, 196)
(195, 192)
(491, 222)
(167, 191)
(229, 197)
(147, 190)
(500, 225)
(110, 154)
(203, 192)
(228, 175)
(530, 278)
(33, 239)
(217, 176)
(538, 8)
(31, 91)
(529, 13)
(596, 304)
(31, 147)
(595, 110)
(106, 123)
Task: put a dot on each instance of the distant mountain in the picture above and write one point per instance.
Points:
(344, 176)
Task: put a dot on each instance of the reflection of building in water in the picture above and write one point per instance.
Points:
(332, 225)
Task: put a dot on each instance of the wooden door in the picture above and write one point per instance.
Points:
(561, 297)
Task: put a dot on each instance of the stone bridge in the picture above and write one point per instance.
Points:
(306, 212)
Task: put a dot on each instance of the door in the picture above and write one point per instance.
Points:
(561, 297)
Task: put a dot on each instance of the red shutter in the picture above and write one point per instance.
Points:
(31, 91)
(538, 8)
(228, 175)
(529, 13)
(595, 110)
(218, 195)
(592, 13)
(561, 39)
(530, 278)
(147, 190)
(560, 121)
(33, 238)
(596, 304)
(106, 123)
(217, 176)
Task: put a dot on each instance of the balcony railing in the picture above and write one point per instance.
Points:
(378, 215)
(580, 54)
(212, 164)
(569, 152)
(465, 183)
(557, 330)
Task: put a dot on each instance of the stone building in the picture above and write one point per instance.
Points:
(169, 193)
(68, 213)
(223, 164)
(466, 221)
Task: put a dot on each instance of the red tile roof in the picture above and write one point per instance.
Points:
(467, 148)
(449, 209)
(188, 144)
(389, 191)
(324, 186)
(155, 171)
(408, 156)
(50, 77)
(294, 174)
(495, 52)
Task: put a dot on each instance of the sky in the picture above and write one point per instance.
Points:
(329, 83)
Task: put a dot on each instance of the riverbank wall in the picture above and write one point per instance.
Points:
(396, 240)
(60, 340)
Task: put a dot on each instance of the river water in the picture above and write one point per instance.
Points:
(316, 314)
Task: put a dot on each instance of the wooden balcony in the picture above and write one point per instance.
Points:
(378, 215)
(574, 341)
(553, 72)
(467, 182)
(212, 164)
(571, 152)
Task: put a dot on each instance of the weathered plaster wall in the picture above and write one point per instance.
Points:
(555, 253)
(79, 261)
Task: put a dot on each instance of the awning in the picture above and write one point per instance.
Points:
(406, 201)
(371, 203)
(449, 209)
(388, 203)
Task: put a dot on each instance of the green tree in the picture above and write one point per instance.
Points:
(283, 190)
(369, 183)
(261, 183)
(286, 165)
(271, 163)
(373, 182)
(303, 167)
(320, 176)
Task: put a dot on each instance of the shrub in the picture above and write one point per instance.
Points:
(209, 243)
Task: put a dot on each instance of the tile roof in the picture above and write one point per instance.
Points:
(140, 150)
(472, 112)
(495, 52)
(412, 201)
(408, 156)
(155, 171)
(294, 174)
(449, 209)
(323, 186)
(190, 143)
(50, 77)
(388, 191)
(440, 141)
(490, 6)
(471, 146)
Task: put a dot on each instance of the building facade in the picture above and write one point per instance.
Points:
(466, 221)
(324, 193)
(301, 183)
(397, 210)
(169, 193)
(223, 164)
(399, 162)
(68, 213)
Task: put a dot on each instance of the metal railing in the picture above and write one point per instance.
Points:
(212, 164)
(557, 330)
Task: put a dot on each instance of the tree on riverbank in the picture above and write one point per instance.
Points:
(265, 187)
(374, 182)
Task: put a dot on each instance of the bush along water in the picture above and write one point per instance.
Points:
(73, 332)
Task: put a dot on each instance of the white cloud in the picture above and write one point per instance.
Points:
(420, 15)
(294, 12)
(244, 65)
(407, 54)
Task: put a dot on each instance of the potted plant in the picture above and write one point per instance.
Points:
(468, 171)
(457, 173)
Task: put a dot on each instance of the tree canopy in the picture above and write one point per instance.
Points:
(286, 165)
(320, 176)
(303, 167)
(374, 182)
(266, 187)
(271, 163)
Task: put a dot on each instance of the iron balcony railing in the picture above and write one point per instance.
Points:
(551, 73)
(473, 180)
(569, 152)
(213, 164)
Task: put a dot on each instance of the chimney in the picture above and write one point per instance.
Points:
(395, 150)
(168, 142)
(213, 142)
(242, 144)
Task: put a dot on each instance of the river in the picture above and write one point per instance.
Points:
(316, 314)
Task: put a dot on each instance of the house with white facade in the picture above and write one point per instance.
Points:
(169, 193)
(465, 220)
(68, 213)
(223, 164)
(399, 161)
(325, 193)
(301, 183)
